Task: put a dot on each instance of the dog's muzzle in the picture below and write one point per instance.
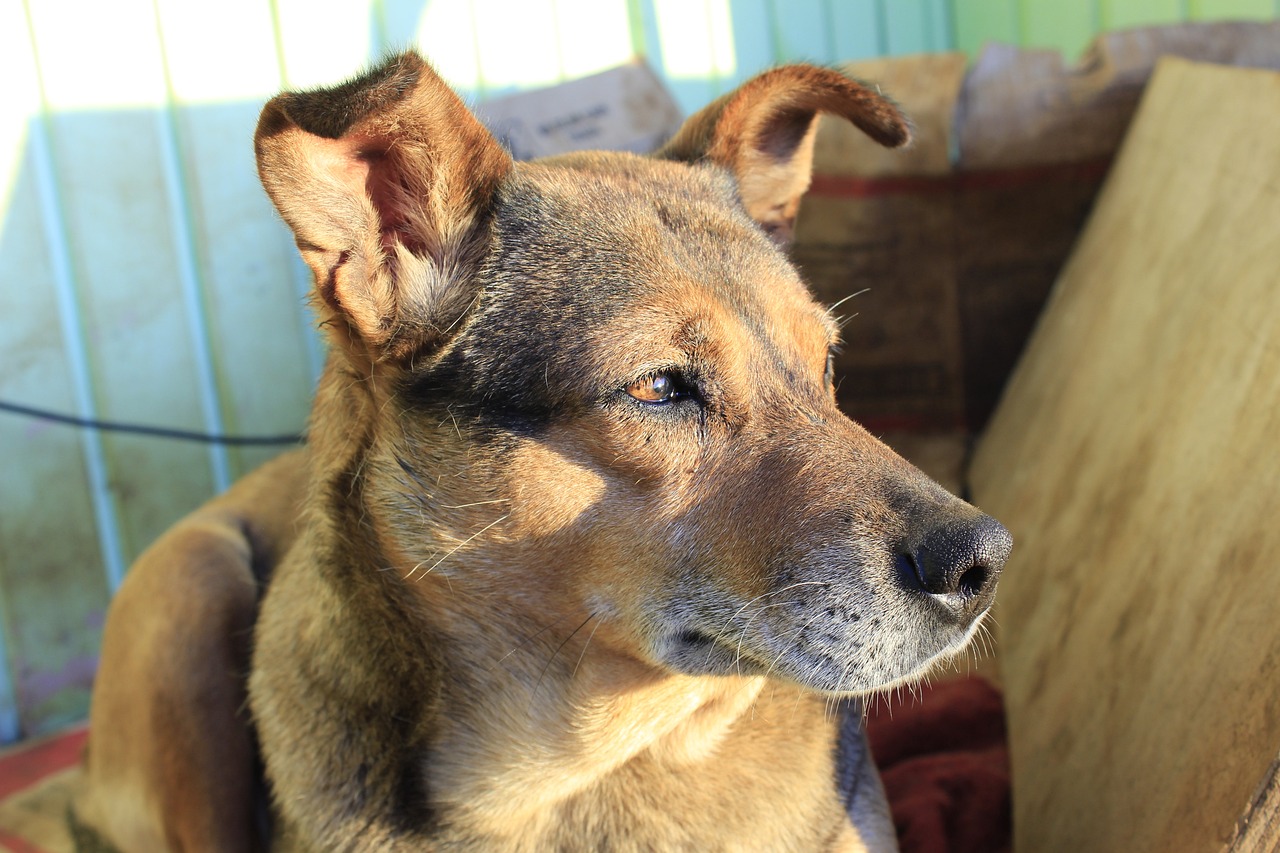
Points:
(955, 562)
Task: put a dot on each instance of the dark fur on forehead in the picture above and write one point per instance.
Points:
(577, 242)
(604, 188)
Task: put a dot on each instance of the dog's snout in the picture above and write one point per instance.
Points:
(958, 561)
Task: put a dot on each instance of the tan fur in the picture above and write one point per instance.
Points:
(170, 760)
(764, 132)
(526, 610)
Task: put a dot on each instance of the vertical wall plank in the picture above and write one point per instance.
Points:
(645, 39)
(721, 50)
(53, 587)
(135, 319)
(176, 183)
(396, 28)
(29, 326)
(753, 42)
(1121, 14)
(803, 31)
(678, 36)
(1232, 10)
(857, 26)
(980, 21)
(917, 26)
(1067, 27)
(691, 44)
(324, 43)
(244, 253)
(446, 35)
(942, 26)
(35, 162)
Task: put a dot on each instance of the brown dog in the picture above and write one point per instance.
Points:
(589, 558)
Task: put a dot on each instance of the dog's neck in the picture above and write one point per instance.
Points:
(557, 715)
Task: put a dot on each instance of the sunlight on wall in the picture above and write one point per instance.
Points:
(491, 47)
(518, 43)
(447, 35)
(320, 43)
(594, 36)
(101, 61)
(21, 96)
(227, 53)
(696, 46)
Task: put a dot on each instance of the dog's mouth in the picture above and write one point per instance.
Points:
(831, 661)
(693, 651)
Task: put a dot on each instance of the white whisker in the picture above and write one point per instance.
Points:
(840, 302)
(454, 549)
(728, 624)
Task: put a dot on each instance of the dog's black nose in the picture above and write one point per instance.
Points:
(957, 560)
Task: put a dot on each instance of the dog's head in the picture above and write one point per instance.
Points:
(593, 389)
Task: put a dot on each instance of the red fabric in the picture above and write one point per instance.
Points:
(945, 765)
(30, 764)
(14, 844)
(26, 765)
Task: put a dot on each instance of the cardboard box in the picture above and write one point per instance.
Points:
(957, 241)
(623, 109)
(1135, 458)
(880, 224)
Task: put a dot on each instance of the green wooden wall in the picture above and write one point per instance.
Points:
(144, 278)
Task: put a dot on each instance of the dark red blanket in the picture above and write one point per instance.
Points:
(945, 765)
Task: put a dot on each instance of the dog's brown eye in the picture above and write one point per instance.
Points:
(659, 388)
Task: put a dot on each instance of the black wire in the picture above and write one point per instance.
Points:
(154, 432)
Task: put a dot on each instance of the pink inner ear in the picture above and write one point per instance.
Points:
(366, 166)
(394, 196)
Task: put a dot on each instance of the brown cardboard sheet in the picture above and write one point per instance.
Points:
(954, 243)
(1135, 457)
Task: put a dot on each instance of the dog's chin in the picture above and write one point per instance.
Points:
(840, 669)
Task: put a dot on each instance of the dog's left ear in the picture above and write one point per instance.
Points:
(763, 133)
(387, 182)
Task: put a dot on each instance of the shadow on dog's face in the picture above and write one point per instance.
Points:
(649, 382)
(603, 396)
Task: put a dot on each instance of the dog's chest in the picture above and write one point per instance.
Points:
(647, 807)
(773, 783)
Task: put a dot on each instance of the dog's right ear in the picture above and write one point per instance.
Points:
(387, 182)
(763, 133)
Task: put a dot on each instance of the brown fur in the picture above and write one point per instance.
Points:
(525, 609)
(171, 758)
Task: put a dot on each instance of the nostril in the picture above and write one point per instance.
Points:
(958, 559)
(973, 581)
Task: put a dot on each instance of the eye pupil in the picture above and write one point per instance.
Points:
(659, 388)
